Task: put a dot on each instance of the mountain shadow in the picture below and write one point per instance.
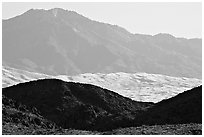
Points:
(75, 105)
(20, 119)
(184, 108)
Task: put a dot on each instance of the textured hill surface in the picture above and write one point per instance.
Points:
(176, 129)
(139, 86)
(56, 103)
(75, 105)
(64, 42)
(18, 119)
(186, 107)
(12, 76)
(15, 114)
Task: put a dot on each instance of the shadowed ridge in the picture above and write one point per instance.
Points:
(20, 119)
(75, 105)
(186, 107)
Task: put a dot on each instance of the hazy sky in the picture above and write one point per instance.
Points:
(178, 19)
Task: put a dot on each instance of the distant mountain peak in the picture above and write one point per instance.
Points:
(60, 37)
(54, 12)
(166, 35)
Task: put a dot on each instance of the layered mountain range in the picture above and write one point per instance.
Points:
(61, 42)
(64, 73)
(138, 86)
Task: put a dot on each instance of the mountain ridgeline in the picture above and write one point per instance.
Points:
(186, 107)
(58, 41)
(75, 105)
(137, 86)
(88, 107)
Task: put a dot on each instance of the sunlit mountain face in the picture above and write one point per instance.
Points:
(138, 86)
(61, 42)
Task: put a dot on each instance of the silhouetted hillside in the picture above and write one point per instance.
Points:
(43, 40)
(183, 108)
(20, 119)
(75, 105)
(50, 103)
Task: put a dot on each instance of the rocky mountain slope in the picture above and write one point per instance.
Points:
(19, 119)
(138, 86)
(75, 105)
(43, 106)
(15, 114)
(64, 42)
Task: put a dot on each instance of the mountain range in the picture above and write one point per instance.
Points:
(138, 86)
(63, 73)
(62, 42)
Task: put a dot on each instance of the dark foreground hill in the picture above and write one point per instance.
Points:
(52, 106)
(17, 115)
(186, 107)
(75, 105)
(18, 119)
(167, 129)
